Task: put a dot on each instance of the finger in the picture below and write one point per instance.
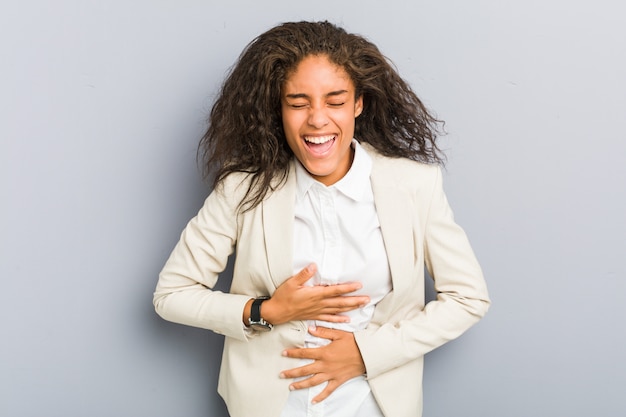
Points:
(341, 289)
(302, 353)
(312, 381)
(305, 274)
(333, 318)
(329, 389)
(325, 332)
(345, 303)
(301, 371)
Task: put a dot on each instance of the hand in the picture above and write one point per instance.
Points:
(337, 362)
(293, 300)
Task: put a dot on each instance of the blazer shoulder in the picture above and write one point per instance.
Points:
(403, 172)
(230, 191)
(237, 185)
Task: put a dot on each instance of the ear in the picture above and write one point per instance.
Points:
(358, 106)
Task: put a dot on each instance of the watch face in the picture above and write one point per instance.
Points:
(261, 327)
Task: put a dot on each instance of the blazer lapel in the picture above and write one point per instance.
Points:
(395, 222)
(278, 214)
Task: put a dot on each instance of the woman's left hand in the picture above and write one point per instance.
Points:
(336, 362)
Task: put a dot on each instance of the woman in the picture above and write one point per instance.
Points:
(328, 190)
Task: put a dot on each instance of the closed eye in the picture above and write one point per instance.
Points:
(297, 105)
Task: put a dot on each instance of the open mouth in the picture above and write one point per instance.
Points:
(318, 145)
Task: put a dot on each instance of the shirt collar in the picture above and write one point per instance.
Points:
(355, 184)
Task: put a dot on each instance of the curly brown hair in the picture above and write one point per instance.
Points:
(245, 132)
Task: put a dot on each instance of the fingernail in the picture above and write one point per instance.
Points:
(291, 388)
(310, 268)
(284, 353)
(313, 402)
(282, 375)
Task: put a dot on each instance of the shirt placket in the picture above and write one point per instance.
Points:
(330, 268)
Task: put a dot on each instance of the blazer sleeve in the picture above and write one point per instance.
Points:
(184, 290)
(462, 297)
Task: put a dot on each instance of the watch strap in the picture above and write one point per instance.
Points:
(255, 311)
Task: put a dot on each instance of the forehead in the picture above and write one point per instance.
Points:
(317, 72)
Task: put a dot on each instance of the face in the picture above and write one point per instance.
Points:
(319, 109)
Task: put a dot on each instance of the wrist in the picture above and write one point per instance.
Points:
(256, 320)
(270, 312)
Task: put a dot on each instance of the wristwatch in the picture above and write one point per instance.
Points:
(256, 321)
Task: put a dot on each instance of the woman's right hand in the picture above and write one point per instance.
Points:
(293, 300)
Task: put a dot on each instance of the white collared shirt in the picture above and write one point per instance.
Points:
(337, 228)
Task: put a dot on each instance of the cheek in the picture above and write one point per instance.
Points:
(348, 122)
(291, 134)
(290, 122)
(291, 141)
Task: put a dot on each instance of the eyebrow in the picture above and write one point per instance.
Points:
(302, 95)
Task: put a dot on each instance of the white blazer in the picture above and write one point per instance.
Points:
(418, 230)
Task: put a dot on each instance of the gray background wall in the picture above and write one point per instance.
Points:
(102, 104)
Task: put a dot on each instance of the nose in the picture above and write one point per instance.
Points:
(318, 117)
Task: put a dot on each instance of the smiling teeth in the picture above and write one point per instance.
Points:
(319, 139)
